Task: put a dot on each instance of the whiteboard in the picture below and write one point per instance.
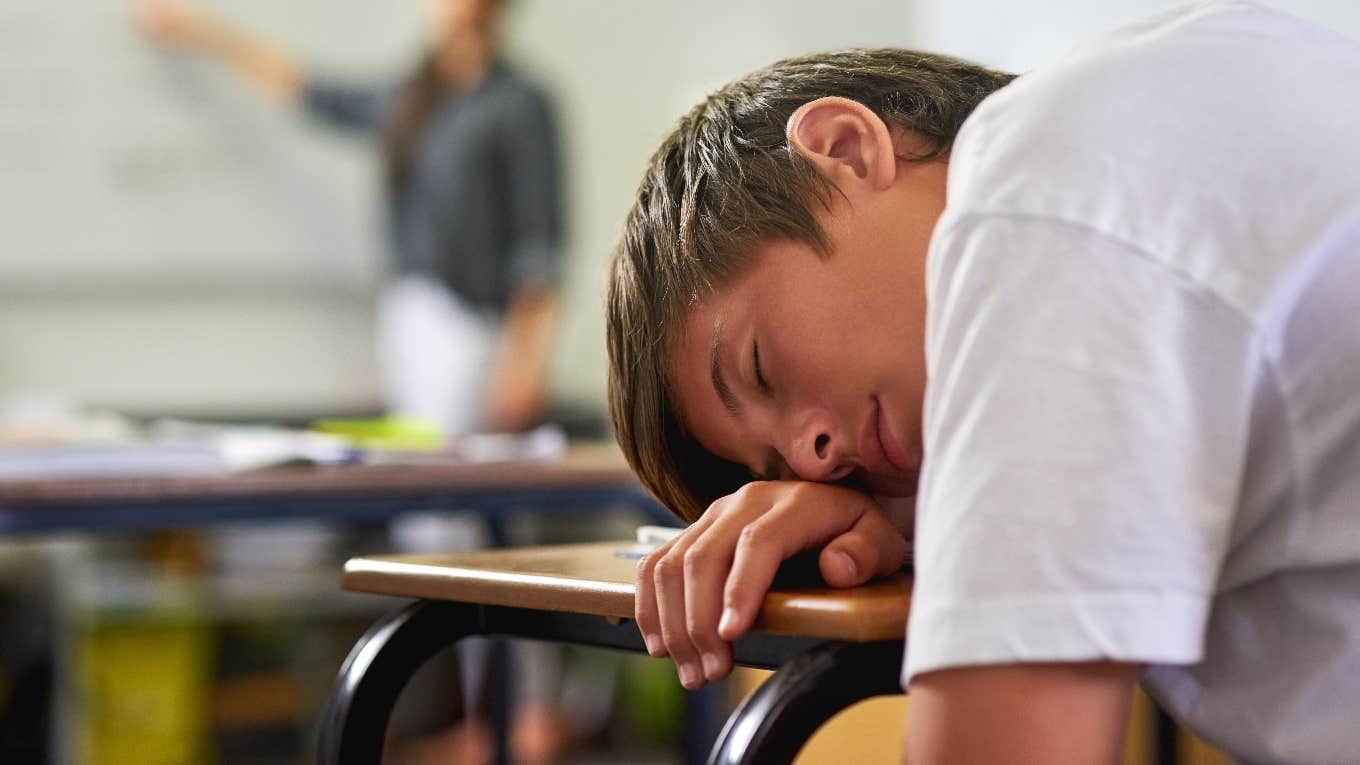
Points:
(124, 165)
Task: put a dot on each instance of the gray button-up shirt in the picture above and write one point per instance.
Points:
(480, 208)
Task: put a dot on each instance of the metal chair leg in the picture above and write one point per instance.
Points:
(774, 722)
(355, 725)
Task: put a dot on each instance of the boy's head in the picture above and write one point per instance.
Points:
(744, 337)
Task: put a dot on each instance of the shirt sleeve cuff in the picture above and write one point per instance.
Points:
(1145, 628)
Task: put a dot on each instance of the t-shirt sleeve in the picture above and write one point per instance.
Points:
(360, 108)
(1085, 430)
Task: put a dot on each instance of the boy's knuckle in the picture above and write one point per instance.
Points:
(697, 557)
(754, 536)
(751, 491)
(667, 568)
(645, 566)
(721, 504)
(671, 638)
(643, 617)
(677, 644)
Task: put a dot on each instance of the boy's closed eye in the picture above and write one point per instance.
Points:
(761, 382)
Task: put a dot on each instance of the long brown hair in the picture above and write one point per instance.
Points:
(416, 104)
(722, 184)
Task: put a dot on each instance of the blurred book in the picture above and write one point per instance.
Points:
(110, 459)
(67, 443)
(545, 443)
(76, 449)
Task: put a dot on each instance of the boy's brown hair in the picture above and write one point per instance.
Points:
(722, 184)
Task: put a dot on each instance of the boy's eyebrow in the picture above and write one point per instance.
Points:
(715, 372)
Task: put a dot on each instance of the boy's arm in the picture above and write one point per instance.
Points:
(1050, 713)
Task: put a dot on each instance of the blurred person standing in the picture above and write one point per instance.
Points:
(474, 220)
(474, 225)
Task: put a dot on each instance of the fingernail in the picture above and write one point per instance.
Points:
(849, 564)
(712, 666)
(729, 621)
(689, 675)
(653, 642)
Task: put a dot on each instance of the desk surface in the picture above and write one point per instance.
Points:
(593, 579)
(586, 475)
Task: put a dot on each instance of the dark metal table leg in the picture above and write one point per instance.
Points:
(774, 722)
(1164, 737)
(815, 682)
(372, 677)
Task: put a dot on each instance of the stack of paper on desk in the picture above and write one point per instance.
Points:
(92, 460)
(169, 448)
(77, 445)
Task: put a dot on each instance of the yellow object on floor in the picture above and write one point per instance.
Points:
(141, 690)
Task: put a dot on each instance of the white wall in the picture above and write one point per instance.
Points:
(266, 306)
(168, 240)
(1022, 35)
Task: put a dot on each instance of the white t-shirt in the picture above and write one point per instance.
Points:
(1142, 426)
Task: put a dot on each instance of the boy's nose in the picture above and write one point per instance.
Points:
(816, 449)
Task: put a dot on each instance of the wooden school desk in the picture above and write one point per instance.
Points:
(586, 477)
(831, 648)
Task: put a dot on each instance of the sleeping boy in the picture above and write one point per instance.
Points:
(1097, 321)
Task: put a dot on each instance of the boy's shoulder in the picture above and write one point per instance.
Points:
(1144, 129)
(1112, 95)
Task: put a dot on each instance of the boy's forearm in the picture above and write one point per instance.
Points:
(1064, 713)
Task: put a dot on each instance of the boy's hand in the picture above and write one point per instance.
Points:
(703, 589)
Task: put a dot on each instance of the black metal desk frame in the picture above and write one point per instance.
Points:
(814, 679)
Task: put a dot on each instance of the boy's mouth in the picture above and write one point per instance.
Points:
(872, 454)
(880, 454)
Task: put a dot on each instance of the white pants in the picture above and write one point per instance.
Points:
(434, 351)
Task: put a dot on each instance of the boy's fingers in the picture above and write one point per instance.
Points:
(707, 565)
(645, 611)
(644, 605)
(753, 568)
(872, 547)
(669, 581)
(771, 539)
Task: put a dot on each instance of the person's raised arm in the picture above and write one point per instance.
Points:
(179, 24)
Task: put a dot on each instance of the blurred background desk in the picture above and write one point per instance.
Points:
(587, 476)
(198, 619)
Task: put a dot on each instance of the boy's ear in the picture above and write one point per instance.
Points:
(844, 140)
